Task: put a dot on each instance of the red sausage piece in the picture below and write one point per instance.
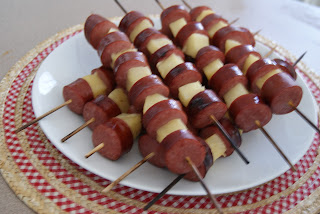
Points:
(258, 69)
(181, 144)
(247, 109)
(106, 75)
(79, 92)
(116, 136)
(156, 35)
(181, 75)
(144, 87)
(126, 61)
(202, 106)
(161, 113)
(286, 67)
(242, 35)
(144, 35)
(113, 43)
(131, 20)
(172, 14)
(278, 90)
(101, 109)
(239, 54)
(95, 28)
(196, 11)
(206, 55)
(147, 145)
(226, 78)
(210, 20)
(204, 167)
(187, 30)
(133, 110)
(159, 56)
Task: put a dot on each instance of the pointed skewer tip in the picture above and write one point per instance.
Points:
(299, 59)
(164, 191)
(187, 4)
(121, 7)
(160, 4)
(234, 21)
(42, 116)
(257, 32)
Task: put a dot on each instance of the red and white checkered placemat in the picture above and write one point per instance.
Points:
(49, 182)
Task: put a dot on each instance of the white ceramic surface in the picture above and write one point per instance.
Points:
(75, 58)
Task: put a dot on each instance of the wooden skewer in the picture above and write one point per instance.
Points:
(160, 5)
(270, 52)
(275, 145)
(78, 130)
(212, 197)
(299, 59)
(186, 4)
(304, 117)
(234, 21)
(94, 150)
(42, 116)
(256, 33)
(122, 8)
(137, 165)
(164, 191)
(233, 144)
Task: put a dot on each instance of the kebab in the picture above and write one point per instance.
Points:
(245, 56)
(81, 91)
(171, 134)
(101, 109)
(270, 79)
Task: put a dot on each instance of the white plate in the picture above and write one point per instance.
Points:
(75, 58)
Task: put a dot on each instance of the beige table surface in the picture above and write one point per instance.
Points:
(24, 24)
